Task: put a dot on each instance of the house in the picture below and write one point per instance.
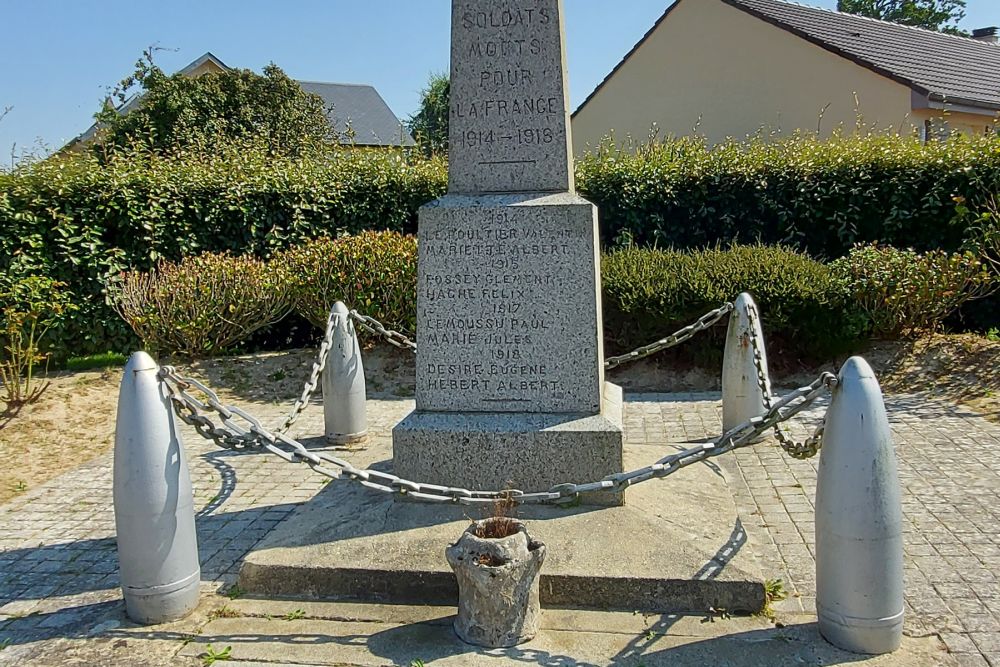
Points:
(357, 113)
(733, 68)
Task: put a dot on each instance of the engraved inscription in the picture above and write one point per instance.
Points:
(509, 123)
(497, 288)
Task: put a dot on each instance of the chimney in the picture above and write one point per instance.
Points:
(991, 35)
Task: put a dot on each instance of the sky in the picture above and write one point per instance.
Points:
(58, 58)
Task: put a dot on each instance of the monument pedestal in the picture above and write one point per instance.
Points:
(527, 450)
(510, 377)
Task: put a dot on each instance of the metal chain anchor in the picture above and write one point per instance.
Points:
(809, 447)
(252, 435)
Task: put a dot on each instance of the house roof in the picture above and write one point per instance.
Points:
(943, 68)
(360, 107)
(208, 57)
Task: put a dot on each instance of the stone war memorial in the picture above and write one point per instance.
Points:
(510, 367)
(514, 428)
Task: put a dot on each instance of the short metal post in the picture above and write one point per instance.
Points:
(742, 398)
(859, 520)
(154, 511)
(345, 408)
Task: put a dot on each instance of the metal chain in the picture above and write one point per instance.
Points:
(392, 337)
(252, 435)
(314, 376)
(704, 322)
(809, 447)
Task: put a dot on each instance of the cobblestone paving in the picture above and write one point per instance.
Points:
(949, 468)
(58, 562)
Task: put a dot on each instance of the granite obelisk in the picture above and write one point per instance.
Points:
(510, 380)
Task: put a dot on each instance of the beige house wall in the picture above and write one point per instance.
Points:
(207, 67)
(713, 67)
(960, 121)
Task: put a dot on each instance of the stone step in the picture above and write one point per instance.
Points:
(270, 632)
(676, 546)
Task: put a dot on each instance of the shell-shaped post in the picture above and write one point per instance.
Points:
(345, 409)
(859, 520)
(742, 398)
(154, 510)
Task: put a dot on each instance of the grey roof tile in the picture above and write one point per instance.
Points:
(945, 67)
(371, 121)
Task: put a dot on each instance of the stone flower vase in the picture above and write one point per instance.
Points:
(497, 583)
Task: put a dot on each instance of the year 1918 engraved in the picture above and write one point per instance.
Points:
(530, 136)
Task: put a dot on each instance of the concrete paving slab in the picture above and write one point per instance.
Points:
(676, 546)
(567, 638)
(694, 625)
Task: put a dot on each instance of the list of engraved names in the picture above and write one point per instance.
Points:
(499, 288)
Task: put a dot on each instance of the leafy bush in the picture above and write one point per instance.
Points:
(374, 272)
(649, 293)
(203, 304)
(29, 307)
(80, 222)
(982, 237)
(429, 126)
(213, 109)
(819, 196)
(905, 292)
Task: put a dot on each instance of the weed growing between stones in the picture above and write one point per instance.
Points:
(211, 656)
(501, 523)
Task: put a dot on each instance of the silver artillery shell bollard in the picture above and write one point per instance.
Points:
(345, 409)
(742, 397)
(859, 536)
(154, 511)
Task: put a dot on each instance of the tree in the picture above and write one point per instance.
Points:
(429, 126)
(180, 111)
(940, 15)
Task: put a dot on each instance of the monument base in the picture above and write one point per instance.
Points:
(527, 451)
(677, 546)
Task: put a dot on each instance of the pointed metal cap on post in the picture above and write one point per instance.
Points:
(345, 409)
(154, 509)
(859, 531)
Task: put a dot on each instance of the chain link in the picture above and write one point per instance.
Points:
(706, 321)
(809, 447)
(314, 376)
(372, 325)
(249, 434)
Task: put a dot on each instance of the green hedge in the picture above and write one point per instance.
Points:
(818, 196)
(804, 305)
(373, 272)
(80, 222)
(647, 293)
